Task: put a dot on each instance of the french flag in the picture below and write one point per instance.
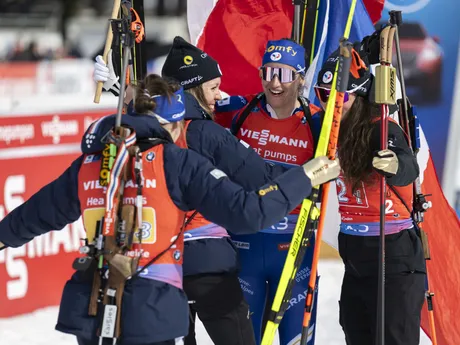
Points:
(235, 33)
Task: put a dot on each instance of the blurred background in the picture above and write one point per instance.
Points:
(36, 30)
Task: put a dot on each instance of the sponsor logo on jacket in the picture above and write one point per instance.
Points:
(94, 184)
(283, 246)
(241, 245)
(264, 137)
(269, 189)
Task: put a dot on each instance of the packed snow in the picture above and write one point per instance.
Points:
(38, 328)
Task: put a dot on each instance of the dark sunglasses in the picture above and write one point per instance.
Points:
(323, 94)
(285, 75)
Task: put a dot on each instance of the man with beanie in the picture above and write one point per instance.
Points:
(278, 124)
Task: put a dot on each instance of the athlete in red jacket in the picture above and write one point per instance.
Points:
(278, 124)
(358, 191)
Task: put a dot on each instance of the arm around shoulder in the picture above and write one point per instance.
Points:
(199, 185)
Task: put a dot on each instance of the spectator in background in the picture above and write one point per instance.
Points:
(28, 54)
(181, 8)
(73, 50)
(14, 51)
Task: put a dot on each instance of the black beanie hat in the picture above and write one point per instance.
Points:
(360, 79)
(189, 65)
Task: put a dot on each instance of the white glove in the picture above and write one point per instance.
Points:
(386, 161)
(321, 170)
(106, 74)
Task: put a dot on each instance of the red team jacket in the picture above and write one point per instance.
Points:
(288, 141)
(360, 211)
(159, 213)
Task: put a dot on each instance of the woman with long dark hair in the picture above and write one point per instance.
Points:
(358, 190)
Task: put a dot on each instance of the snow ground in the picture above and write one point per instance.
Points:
(38, 328)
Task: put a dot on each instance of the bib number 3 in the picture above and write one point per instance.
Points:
(282, 225)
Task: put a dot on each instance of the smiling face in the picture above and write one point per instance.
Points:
(211, 92)
(282, 95)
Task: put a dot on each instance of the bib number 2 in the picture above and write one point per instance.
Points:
(389, 207)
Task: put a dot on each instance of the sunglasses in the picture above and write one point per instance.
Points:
(285, 75)
(323, 94)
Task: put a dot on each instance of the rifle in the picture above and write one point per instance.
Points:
(410, 124)
(114, 233)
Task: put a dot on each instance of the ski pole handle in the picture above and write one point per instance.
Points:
(396, 18)
(385, 75)
(108, 45)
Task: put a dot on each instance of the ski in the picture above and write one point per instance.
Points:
(306, 223)
(345, 62)
(107, 244)
(309, 25)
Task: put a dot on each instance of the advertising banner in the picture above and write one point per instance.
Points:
(34, 150)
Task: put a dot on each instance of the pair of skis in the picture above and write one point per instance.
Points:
(309, 217)
(306, 22)
(385, 95)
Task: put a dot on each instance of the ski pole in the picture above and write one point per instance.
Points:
(309, 23)
(296, 22)
(108, 44)
(385, 94)
(345, 61)
(342, 75)
(127, 41)
(420, 204)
